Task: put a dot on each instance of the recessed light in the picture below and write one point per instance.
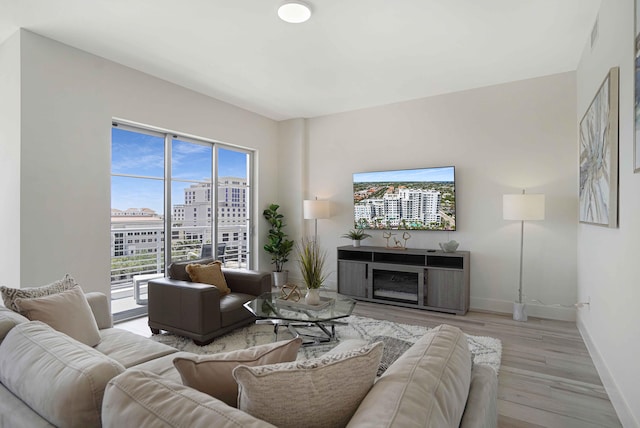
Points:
(294, 12)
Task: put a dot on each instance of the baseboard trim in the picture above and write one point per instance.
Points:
(533, 310)
(617, 400)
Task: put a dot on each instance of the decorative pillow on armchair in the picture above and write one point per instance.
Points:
(9, 295)
(209, 274)
(68, 312)
(326, 390)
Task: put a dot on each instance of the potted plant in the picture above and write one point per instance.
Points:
(356, 235)
(278, 245)
(311, 261)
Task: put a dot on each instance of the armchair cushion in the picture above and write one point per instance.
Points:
(178, 270)
(208, 274)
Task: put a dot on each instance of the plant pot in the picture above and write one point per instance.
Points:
(278, 279)
(356, 243)
(312, 297)
(519, 312)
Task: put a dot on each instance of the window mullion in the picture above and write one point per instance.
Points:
(167, 203)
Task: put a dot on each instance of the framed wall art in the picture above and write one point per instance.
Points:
(636, 113)
(599, 156)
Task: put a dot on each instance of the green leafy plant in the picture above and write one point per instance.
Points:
(356, 235)
(278, 246)
(311, 261)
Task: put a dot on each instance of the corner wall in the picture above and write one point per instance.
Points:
(608, 258)
(501, 139)
(10, 160)
(69, 98)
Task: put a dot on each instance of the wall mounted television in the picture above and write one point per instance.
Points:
(408, 199)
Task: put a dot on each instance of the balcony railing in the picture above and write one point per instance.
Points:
(144, 255)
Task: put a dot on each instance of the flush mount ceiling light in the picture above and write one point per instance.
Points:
(294, 12)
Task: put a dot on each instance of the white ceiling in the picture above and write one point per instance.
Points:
(351, 54)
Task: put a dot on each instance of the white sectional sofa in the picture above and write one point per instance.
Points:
(50, 379)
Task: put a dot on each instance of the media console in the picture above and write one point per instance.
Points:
(424, 279)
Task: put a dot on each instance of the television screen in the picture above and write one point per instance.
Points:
(412, 199)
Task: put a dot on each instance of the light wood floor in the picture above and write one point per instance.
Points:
(547, 378)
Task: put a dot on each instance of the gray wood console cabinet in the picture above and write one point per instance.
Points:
(424, 279)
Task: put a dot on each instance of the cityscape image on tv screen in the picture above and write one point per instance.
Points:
(411, 199)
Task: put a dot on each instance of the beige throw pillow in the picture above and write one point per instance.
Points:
(212, 374)
(209, 274)
(9, 295)
(68, 312)
(326, 390)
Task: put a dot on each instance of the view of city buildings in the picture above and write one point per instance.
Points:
(409, 208)
(141, 230)
(422, 199)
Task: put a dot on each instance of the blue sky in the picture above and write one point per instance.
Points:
(143, 155)
(423, 174)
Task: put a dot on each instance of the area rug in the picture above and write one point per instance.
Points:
(485, 350)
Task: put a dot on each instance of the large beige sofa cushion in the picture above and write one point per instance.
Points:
(144, 400)
(8, 320)
(14, 413)
(481, 410)
(58, 377)
(130, 349)
(426, 387)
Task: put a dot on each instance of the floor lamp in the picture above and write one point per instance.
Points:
(314, 209)
(523, 207)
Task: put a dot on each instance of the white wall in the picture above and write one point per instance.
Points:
(500, 139)
(608, 258)
(291, 177)
(10, 159)
(69, 98)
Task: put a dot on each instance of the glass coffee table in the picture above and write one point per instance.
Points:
(294, 315)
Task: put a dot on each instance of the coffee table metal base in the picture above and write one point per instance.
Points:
(327, 333)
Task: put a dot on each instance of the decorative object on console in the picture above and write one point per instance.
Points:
(356, 235)
(313, 209)
(278, 246)
(311, 261)
(599, 156)
(397, 244)
(522, 207)
(449, 247)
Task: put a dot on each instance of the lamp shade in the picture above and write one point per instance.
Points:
(523, 207)
(314, 209)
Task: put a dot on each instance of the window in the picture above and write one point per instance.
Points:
(168, 185)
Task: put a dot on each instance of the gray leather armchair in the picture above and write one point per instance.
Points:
(198, 311)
